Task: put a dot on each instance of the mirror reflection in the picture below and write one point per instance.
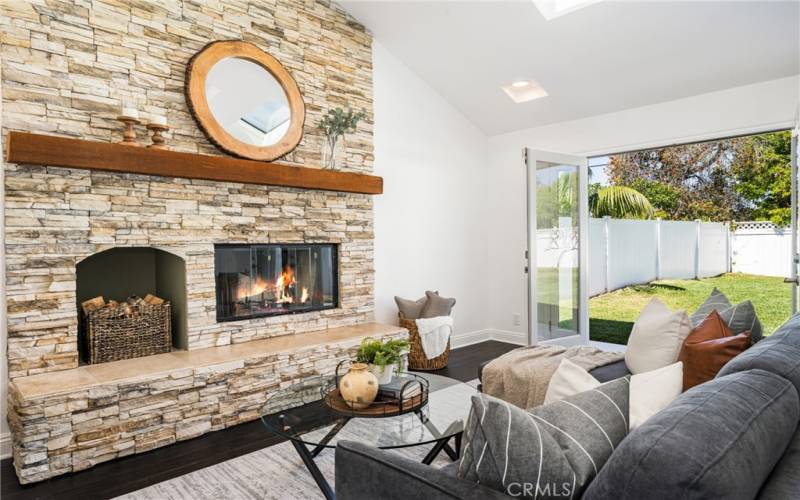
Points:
(247, 101)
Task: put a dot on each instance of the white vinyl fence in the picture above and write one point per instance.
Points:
(625, 252)
(628, 252)
(762, 248)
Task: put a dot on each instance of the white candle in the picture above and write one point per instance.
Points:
(158, 120)
(130, 113)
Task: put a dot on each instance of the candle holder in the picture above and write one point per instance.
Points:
(129, 134)
(157, 138)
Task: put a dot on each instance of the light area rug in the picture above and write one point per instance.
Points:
(271, 473)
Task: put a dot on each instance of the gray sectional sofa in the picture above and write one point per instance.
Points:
(735, 437)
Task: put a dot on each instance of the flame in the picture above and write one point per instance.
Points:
(281, 289)
(285, 280)
(258, 287)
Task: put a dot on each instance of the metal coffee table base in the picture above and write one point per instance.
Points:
(308, 456)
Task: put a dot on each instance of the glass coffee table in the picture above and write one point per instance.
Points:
(299, 414)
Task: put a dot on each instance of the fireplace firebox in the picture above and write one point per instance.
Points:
(274, 279)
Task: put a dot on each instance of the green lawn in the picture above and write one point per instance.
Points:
(612, 314)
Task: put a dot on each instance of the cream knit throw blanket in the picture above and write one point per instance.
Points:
(521, 376)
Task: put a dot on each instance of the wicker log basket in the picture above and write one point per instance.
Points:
(416, 356)
(113, 336)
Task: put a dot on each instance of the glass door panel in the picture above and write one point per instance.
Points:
(556, 228)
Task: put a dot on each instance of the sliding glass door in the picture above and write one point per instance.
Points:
(557, 253)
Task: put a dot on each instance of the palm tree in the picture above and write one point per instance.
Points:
(620, 202)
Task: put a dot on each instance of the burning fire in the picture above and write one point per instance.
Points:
(281, 289)
(285, 281)
(258, 287)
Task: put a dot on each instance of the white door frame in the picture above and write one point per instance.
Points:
(530, 157)
(793, 278)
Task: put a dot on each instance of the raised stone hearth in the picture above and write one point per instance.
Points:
(72, 420)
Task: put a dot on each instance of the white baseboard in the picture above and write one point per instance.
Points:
(5, 445)
(518, 338)
(469, 338)
(478, 336)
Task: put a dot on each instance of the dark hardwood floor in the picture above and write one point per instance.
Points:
(131, 473)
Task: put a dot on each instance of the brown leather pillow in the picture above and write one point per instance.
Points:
(706, 350)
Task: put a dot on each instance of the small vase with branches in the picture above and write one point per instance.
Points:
(335, 124)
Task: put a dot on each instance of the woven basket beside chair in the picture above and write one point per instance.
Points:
(416, 356)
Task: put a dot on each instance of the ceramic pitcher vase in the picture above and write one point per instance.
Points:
(358, 387)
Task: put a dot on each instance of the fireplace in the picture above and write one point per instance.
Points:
(270, 280)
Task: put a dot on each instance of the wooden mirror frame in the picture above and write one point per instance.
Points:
(196, 74)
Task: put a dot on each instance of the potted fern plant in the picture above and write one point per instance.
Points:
(334, 125)
(382, 357)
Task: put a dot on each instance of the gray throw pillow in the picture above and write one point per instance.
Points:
(411, 309)
(742, 318)
(550, 451)
(717, 301)
(437, 306)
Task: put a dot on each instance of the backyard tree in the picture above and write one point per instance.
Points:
(763, 173)
(620, 202)
(741, 178)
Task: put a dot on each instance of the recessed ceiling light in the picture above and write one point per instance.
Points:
(552, 9)
(524, 91)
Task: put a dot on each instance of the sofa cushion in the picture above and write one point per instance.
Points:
(437, 305)
(779, 353)
(550, 451)
(742, 318)
(784, 482)
(717, 301)
(703, 360)
(720, 439)
(611, 371)
(653, 391)
(650, 392)
(567, 380)
(410, 309)
(656, 338)
(706, 350)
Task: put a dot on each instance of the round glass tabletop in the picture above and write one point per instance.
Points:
(299, 413)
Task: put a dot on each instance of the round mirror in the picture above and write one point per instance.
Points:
(245, 101)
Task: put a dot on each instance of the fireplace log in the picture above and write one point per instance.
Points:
(92, 304)
(153, 300)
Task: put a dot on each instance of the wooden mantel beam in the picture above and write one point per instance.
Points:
(37, 149)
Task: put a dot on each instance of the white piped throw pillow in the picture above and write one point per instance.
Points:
(568, 379)
(653, 391)
(656, 338)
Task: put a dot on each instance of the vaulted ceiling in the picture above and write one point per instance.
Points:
(605, 57)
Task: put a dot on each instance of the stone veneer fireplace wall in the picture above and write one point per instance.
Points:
(67, 69)
(69, 66)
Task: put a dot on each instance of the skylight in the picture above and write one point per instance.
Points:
(552, 9)
(524, 91)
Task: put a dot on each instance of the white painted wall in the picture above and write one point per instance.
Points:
(759, 107)
(431, 220)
